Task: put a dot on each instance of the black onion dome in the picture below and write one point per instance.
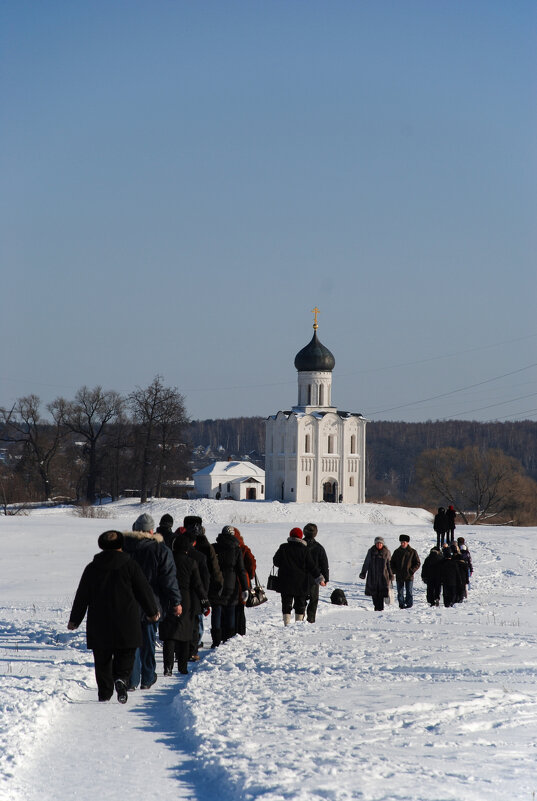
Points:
(314, 357)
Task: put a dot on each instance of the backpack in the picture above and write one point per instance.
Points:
(338, 597)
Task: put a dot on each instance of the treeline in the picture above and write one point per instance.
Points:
(96, 444)
(393, 448)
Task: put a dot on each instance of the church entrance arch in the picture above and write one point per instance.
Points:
(251, 494)
(330, 491)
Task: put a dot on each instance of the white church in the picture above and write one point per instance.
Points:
(315, 452)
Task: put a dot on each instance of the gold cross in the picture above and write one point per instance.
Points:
(315, 311)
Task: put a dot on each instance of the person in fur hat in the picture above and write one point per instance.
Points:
(295, 565)
(404, 563)
(149, 550)
(378, 573)
(430, 574)
(112, 590)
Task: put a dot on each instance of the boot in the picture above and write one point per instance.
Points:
(216, 634)
(286, 620)
(298, 616)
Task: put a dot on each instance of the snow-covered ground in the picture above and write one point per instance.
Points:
(421, 704)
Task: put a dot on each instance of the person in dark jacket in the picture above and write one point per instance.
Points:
(155, 558)
(176, 632)
(440, 525)
(318, 554)
(224, 606)
(250, 567)
(404, 563)
(378, 573)
(112, 590)
(450, 524)
(192, 528)
(165, 528)
(462, 565)
(216, 580)
(467, 556)
(430, 575)
(295, 565)
(450, 577)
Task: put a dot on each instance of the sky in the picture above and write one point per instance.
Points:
(184, 182)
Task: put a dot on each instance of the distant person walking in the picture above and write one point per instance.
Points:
(440, 525)
(318, 554)
(378, 573)
(450, 524)
(112, 590)
(224, 606)
(430, 574)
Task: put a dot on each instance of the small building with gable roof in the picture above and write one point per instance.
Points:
(314, 452)
(233, 480)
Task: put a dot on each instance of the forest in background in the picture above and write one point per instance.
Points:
(392, 452)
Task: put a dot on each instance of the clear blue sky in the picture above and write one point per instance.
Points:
(182, 182)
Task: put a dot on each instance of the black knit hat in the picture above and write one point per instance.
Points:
(166, 520)
(110, 540)
(191, 520)
(404, 538)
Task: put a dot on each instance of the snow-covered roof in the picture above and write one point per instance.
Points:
(235, 469)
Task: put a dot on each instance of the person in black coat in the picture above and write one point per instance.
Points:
(377, 572)
(318, 554)
(192, 528)
(176, 632)
(165, 528)
(450, 524)
(430, 574)
(440, 525)
(156, 560)
(295, 565)
(215, 578)
(112, 590)
(224, 606)
(450, 577)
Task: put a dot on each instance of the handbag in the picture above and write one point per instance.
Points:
(256, 594)
(390, 598)
(273, 581)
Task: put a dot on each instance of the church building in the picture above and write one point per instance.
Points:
(315, 452)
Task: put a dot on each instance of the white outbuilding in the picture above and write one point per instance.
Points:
(238, 481)
(315, 452)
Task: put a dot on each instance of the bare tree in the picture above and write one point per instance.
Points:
(41, 438)
(88, 416)
(159, 413)
(486, 484)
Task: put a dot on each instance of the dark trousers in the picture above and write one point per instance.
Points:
(298, 601)
(175, 650)
(440, 536)
(433, 592)
(313, 601)
(223, 619)
(450, 536)
(404, 593)
(111, 665)
(450, 594)
(378, 602)
(240, 620)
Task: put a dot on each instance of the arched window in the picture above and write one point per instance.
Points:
(309, 395)
(353, 443)
(351, 481)
(307, 443)
(308, 481)
(331, 443)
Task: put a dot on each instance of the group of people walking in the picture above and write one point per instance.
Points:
(149, 582)
(445, 571)
(152, 582)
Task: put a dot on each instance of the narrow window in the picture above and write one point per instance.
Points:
(331, 443)
(308, 481)
(307, 444)
(351, 481)
(353, 443)
(321, 395)
(309, 395)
